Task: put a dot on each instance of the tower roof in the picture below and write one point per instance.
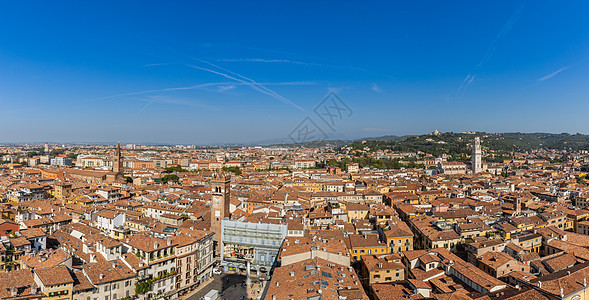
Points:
(221, 177)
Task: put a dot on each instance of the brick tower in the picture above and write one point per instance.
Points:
(117, 164)
(220, 188)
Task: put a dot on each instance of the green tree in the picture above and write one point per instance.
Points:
(173, 169)
(235, 170)
(170, 177)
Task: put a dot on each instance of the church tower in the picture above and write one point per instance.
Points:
(117, 164)
(517, 205)
(220, 188)
(477, 154)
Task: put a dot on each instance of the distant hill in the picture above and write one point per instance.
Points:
(459, 143)
(314, 144)
(384, 138)
(450, 142)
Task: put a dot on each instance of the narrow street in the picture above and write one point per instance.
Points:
(220, 283)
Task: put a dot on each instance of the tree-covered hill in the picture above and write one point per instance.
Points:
(456, 144)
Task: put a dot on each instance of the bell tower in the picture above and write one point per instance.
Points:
(117, 164)
(220, 189)
(476, 156)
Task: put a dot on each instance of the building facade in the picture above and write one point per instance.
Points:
(253, 244)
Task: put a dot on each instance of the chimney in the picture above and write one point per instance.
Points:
(155, 245)
(101, 276)
(277, 283)
(13, 292)
(168, 242)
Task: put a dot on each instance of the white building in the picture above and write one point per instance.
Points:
(109, 220)
(61, 161)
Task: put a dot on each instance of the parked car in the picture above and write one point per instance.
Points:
(217, 271)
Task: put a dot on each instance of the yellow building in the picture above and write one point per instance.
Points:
(56, 282)
(399, 237)
(62, 190)
(365, 244)
(357, 211)
(382, 269)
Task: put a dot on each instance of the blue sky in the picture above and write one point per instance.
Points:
(192, 72)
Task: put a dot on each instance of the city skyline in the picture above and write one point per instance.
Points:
(218, 73)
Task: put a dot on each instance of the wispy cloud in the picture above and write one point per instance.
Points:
(144, 107)
(160, 99)
(248, 81)
(212, 86)
(288, 61)
(504, 30)
(466, 82)
(470, 77)
(552, 74)
(181, 101)
(375, 88)
(263, 60)
(153, 65)
(192, 87)
(224, 88)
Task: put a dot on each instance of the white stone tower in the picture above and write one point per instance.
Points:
(477, 163)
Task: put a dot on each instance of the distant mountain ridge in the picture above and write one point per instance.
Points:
(446, 142)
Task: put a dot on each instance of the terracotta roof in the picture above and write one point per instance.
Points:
(104, 272)
(54, 276)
